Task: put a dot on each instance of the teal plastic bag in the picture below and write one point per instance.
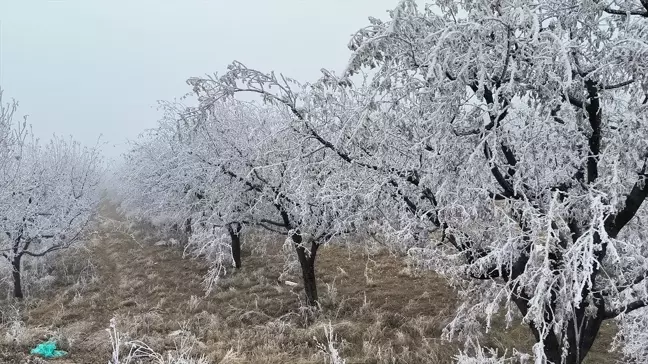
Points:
(48, 350)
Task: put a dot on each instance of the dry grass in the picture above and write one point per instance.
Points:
(379, 310)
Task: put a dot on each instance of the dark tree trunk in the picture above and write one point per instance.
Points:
(578, 347)
(307, 263)
(187, 227)
(234, 230)
(17, 279)
(186, 234)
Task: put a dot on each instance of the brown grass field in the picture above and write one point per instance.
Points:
(380, 311)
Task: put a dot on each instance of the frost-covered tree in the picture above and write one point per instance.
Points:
(229, 165)
(48, 193)
(263, 173)
(514, 129)
(157, 180)
(166, 180)
(226, 146)
(534, 117)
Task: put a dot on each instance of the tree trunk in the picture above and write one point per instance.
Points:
(187, 227)
(578, 345)
(234, 230)
(310, 285)
(553, 349)
(186, 234)
(17, 280)
(307, 263)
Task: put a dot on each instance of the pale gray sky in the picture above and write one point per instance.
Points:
(90, 67)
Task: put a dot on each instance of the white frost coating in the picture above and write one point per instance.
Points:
(48, 191)
(510, 157)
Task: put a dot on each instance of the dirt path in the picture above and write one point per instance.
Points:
(147, 288)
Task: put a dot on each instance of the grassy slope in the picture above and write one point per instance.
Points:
(380, 312)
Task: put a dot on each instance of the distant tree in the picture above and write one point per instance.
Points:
(162, 181)
(157, 180)
(48, 194)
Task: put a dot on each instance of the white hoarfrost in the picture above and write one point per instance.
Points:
(502, 144)
(506, 145)
(48, 193)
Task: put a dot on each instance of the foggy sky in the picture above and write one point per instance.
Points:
(91, 67)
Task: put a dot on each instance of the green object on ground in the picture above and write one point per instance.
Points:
(48, 350)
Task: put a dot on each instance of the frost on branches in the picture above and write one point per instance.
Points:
(48, 192)
(160, 181)
(171, 179)
(534, 117)
(230, 164)
(514, 134)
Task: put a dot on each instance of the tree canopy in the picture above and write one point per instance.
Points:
(500, 143)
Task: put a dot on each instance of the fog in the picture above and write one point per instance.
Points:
(91, 68)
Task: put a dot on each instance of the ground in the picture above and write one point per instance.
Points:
(380, 310)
